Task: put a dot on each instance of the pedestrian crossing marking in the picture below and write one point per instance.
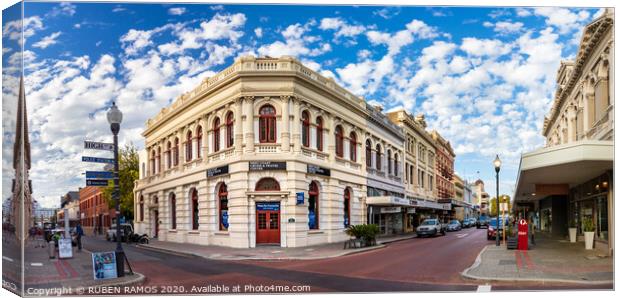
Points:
(36, 264)
(484, 288)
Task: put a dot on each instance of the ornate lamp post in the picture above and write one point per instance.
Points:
(115, 117)
(497, 163)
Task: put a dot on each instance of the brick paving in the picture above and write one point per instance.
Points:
(552, 260)
(330, 250)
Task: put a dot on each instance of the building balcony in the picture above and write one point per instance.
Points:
(222, 154)
(268, 147)
(314, 154)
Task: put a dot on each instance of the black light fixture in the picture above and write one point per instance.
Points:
(497, 163)
(115, 117)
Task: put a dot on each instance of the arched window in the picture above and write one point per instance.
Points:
(141, 214)
(199, 142)
(305, 129)
(216, 135)
(368, 154)
(389, 161)
(194, 209)
(313, 206)
(267, 184)
(230, 133)
(188, 146)
(222, 195)
(176, 151)
(378, 157)
(173, 211)
(168, 155)
(353, 146)
(153, 162)
(396, 165)
(319, 133)
(158, 159)
(347, 207)
(339, 141)
(267, 124)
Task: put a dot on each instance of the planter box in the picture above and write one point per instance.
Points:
(572, 234)
(589, 237)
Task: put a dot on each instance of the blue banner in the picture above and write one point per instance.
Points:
(99, 175)
(300, 198)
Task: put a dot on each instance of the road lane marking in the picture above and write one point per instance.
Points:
(36, 264)
(484, 288)
(461, 235)
(7, 258)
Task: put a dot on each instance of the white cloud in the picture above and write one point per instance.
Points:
(341, 28)
(13, 29)
(64, 8)
(259, 32)
(296, 43)
(563, 19)
(523, 12)
(484, 47)
(176, 11)
(47, 40)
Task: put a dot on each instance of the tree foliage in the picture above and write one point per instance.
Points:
(128, 173)
(493, 205)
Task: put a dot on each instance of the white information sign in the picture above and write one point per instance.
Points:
(65, 250)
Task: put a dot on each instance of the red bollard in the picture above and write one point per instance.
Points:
(522, 241)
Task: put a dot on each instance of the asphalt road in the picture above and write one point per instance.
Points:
(420, 264)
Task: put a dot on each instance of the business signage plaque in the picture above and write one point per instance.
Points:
(217, 171)
(96, 182)
(267, 165)
(267, 206)
(390, 210)
(99, 175)
(98, 146)
(312, 169)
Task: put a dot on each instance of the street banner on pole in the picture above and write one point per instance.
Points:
(98, 146)
(97, 159)
(99, 175)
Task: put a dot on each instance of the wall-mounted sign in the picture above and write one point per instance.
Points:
(99, 175)
(98, 146)
(96, 182)
(267, 206)
(217, 171)
(390, 209)
(97, 159)
(411, 210)
(104, 265)
(312, 169)
(300, 198)
(267, 165)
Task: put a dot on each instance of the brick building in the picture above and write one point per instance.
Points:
(94, 210)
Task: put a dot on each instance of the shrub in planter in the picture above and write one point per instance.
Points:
(356, 231)
(572, 230)
(370, 233)
(588, 232)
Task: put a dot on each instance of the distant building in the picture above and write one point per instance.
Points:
(94, 212)
(481, 197)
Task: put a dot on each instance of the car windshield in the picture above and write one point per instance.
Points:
(454, 221)
(493, 222)
(429, 222)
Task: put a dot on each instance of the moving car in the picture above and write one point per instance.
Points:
(483, 221)
(431, 227)
(454, 225)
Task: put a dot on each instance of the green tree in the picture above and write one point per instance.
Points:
(128, 165)
(493, 205)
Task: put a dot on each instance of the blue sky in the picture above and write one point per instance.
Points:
(483, 77)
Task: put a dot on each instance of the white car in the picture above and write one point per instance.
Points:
(431, 227)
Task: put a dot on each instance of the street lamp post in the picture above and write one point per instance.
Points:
(497, 163)
(115, 117)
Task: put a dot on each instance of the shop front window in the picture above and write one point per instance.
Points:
(223, 207)
(313, 206)
(602, 223)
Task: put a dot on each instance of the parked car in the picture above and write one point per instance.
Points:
(454, 225)
(466, 223)
(483, 221)
(431, 227)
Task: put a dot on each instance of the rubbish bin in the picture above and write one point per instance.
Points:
(51, 249)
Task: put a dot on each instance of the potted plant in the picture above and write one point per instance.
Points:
(355, 231)
(588, 232)
(572, 230)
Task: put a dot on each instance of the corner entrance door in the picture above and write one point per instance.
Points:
(267, 223)
(156, 220)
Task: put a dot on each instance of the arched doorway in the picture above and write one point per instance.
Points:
(267, 214)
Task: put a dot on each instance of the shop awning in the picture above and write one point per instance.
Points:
(554, 170)
(387, 201)
(428, 204)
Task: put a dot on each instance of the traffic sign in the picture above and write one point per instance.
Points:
(97, 159)
(99, 175)
(98, 146)
(96, 182)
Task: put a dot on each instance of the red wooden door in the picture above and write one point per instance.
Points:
(267, 223)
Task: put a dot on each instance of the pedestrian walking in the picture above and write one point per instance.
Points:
(80, 233)
(532, 231)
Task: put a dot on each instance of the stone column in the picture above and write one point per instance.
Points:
(237, 126)
(362, 153)
(296, 123)
(571, 125)
(286, 136)
(329, 141)
(249, 123)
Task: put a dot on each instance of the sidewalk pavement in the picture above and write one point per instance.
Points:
(42, 272)
(266, 253)
(551, 260)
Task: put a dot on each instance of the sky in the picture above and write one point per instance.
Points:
(484, 77)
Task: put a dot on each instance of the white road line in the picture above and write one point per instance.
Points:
(462, 235)
(36, 264)
(7, 258)
(484, 288)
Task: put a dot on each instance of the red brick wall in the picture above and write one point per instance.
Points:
(94, 209)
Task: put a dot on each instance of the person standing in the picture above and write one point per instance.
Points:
(80, 232)
(532, 231)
